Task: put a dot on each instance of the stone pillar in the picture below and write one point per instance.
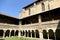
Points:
(20, 23)
(39, 21)
(10, 34)
(41, 35)
(35, 33)
(19, 34)
(31, 33)
(40, 28)
(4, 34)
(27, 34)
(48, 34)
(14, 32)
(54, 35)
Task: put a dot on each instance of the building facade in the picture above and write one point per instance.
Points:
(41, 19)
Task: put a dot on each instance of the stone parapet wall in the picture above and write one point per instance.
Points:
(29, 27)
(51, 25)
(8, 26)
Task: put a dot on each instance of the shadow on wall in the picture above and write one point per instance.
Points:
(57, 31)
(1, 39)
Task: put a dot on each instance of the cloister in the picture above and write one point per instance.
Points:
(31, 33)
(32, 23)
(28, 33)
(12, 33)
(46, 35)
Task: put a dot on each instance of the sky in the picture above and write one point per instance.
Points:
(13, 7)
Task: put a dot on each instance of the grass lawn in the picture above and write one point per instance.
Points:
(18, 38)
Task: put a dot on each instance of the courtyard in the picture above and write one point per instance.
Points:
(18, 38)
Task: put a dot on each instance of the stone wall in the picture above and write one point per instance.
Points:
(40, 7)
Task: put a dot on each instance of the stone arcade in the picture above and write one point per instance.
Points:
(8, 26)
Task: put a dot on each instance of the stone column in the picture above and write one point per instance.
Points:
(10, 34)
(4, 34)
(54, 35)
(48, 34)
(41, 35)
(27, 34)
(14, 32)
(19, 33)
(31, 33)
(35, 33)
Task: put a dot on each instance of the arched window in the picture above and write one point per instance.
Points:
(45, 34)
(43, 7)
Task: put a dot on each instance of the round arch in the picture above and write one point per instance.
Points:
(37, 33)
(51, 34)
(29, 33)
(45, 36)
(12, 33)
(33, 33)
(26, 33)
(7, 33)
(1, 33)
(23, 32)
(16, 33)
